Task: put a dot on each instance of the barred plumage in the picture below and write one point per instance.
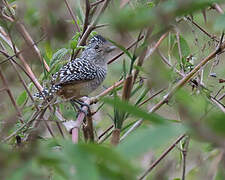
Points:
(83, 75)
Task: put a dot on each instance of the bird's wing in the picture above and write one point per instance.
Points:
(75, 71)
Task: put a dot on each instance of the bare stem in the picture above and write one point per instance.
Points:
(72, 15)
(156, 162)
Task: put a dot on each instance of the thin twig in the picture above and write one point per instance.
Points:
(151, 97)
(144, 52)
(105, 92)
(72, 15)
(156, 162)
(184, 153)
(96, 3)
(203, 30)
(6, 86)
(107, 130)
(120, 54)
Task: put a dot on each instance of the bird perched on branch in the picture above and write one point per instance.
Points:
(82, 75)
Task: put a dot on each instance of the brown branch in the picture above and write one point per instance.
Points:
(151, 97)
(22, 30)
(72, 15)
(6, 86)
(20, 56)
(96, 98)
(156, 162)
(89, 127)
(96, 3)
(120, 54)
(31, 43)
(184, 154)
(218, 8)
(107, 130)
(87, 11)
(144, 52)
(203, 30)
(115, 137)
(20, 77)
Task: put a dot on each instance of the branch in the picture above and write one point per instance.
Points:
(72, 15)
(161, 157)
(180, 84)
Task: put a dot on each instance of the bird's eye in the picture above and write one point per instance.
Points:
(96, 47)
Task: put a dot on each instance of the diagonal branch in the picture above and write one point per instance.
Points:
(157, 161)
(179, 85)
(72, 15)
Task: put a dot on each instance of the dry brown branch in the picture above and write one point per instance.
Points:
(203, 30)
(96, 3)
(87, 11)
(108, 90)
(218, 8)
(21, 28)
(144, 52)
(115, 137)
(130, 46)
(156, 162)
(6, 87)
(106, 131)
(72, 15)
(184, 154)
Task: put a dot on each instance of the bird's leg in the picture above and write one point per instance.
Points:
(74, 103)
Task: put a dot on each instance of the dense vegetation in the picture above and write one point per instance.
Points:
(160, 111)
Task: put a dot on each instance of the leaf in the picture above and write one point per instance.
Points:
(58, 56)
(48, 50)
(143, 139)
(185, 50)
(74, 41)
(219, 25)
(133, 18)
(21, 98)
(134, 110)
(84, 165)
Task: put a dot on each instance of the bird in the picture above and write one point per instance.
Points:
(81, 76)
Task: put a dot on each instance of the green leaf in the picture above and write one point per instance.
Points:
(21, 98)
(74, 41)
(133, 18)
(84, 164)
(58, 56)
(48, 50)
(216, 122)
(143, 139)
(185, 50)
(134, 110)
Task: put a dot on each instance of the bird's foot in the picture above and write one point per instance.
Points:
(82, 104)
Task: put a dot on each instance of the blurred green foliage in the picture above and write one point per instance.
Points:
(53, 158)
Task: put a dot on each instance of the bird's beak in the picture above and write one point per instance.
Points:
(110, 49)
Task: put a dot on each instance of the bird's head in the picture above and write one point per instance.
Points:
(98, 50)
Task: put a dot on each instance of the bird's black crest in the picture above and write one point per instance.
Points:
(97, 38)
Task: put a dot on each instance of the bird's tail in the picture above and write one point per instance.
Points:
(47, 92)
(44, 93)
